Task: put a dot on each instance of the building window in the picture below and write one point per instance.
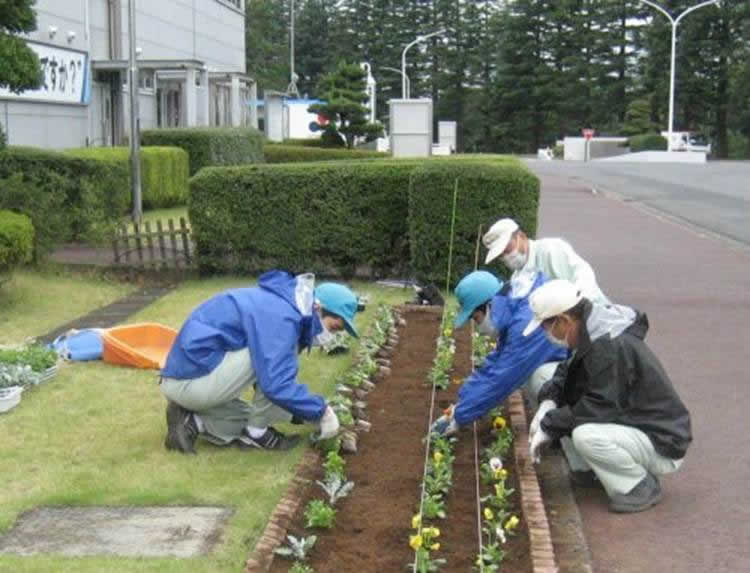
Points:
(146, 80)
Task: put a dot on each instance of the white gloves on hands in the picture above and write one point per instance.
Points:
(544, 407)
(329, 424)
(537, 440)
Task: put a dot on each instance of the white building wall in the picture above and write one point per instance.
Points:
(209, 30)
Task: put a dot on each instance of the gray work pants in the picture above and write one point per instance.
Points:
(215, 397)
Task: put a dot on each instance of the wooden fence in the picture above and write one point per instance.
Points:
(159, 248)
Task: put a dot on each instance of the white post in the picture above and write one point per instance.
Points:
(206, 98)
(236, 103)
(404, 77)
(135, 136)
(293, 77)
(404, 87)
(191, 99)
(673, 64)
(254, 104)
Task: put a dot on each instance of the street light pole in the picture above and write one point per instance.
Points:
(675, 22)
(404, 86)
(292, 88)
(404, 77)
(135, 144)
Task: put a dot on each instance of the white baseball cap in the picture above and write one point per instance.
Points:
(498, 237)
(551, 299)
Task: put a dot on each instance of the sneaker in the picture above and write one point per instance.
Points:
(181, 429)
(643, 496)
(272, 439)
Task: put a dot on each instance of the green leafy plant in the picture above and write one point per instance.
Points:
(297, 548)
(38, 357)
(336, 488)
(433, 506)
(300, 567)
(319, 514)
(334, 465)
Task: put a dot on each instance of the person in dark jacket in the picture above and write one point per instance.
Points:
(251, 337)
(612, 396)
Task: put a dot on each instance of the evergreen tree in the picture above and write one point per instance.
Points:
(344, 93)
(267, 42)
(19, 64)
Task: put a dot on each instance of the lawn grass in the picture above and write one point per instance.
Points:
(154, 215)
(94, 436)
(34, 302)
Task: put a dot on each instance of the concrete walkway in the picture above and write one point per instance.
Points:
(696, 291)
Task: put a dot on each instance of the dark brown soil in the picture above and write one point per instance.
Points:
(373, 525)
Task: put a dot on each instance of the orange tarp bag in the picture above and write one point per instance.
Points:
(143, 345)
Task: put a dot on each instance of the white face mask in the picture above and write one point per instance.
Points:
(323, 337)
(514, 260)
(486, 327)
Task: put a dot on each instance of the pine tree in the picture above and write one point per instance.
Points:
(267, 42)
(19, 64)
(344, 93)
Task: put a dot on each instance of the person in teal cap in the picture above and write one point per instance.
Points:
(516, 359)
(251, 337)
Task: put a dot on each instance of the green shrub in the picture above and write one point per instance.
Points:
(209, 146)
(283, 153)
(648, 142)
(487, 191)
(164, 172)
(67, 198)
(16, 240)
(320, 217)
(3, 138)
(372, 217)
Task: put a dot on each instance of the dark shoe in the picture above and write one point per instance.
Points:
(181, 429)
(643, 496)
(584, 478)
(272, 439)
(297, 421)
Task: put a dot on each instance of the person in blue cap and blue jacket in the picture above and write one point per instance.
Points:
(251, 337)
(516, 359)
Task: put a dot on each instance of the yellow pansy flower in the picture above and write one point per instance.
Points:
(434, 547)
(416, 521)
(502, 473)
(499, 423)
(437, 457)
(415, 541)
(488, 515)
(432, 531)
(512, 523)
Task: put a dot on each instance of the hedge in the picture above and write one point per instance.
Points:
(370, 217)
(164, 172)
(67, 198)
(648, 142)
(209, 146)
(486, 191)
(16, 240)
(283, 153)
(326, 217)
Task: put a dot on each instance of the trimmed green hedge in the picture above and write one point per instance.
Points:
(283, 153)
(16, 240)
(164, 172)
(487, 191)
(208, 146)
(67, 198)
(648, 142)
(370, 217)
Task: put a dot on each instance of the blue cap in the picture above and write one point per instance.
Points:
(474, 290)
(338, 300)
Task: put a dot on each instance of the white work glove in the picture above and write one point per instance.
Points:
(538, 439)
(329, 424)
(541, 412)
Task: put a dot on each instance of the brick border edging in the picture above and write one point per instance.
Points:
(278, 522)
(532, 504)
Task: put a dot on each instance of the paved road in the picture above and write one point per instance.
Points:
(696, 290)
(714, 196)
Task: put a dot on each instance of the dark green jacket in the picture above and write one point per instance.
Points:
(617, 380)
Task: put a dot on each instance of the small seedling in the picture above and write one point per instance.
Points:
(334, 465)
(336, 488)
(298, 548)
(319, 514)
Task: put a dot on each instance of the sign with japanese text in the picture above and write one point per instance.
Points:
(65, 76)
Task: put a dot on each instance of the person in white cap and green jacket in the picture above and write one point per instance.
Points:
(551, 256)
(613, 397)
(251, 337)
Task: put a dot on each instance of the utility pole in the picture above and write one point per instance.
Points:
(135, 135)
(293, 77)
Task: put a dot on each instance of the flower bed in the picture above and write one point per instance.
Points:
(373, 524)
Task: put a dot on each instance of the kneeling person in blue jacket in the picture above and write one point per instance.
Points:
(251, 337)
(501, 314)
